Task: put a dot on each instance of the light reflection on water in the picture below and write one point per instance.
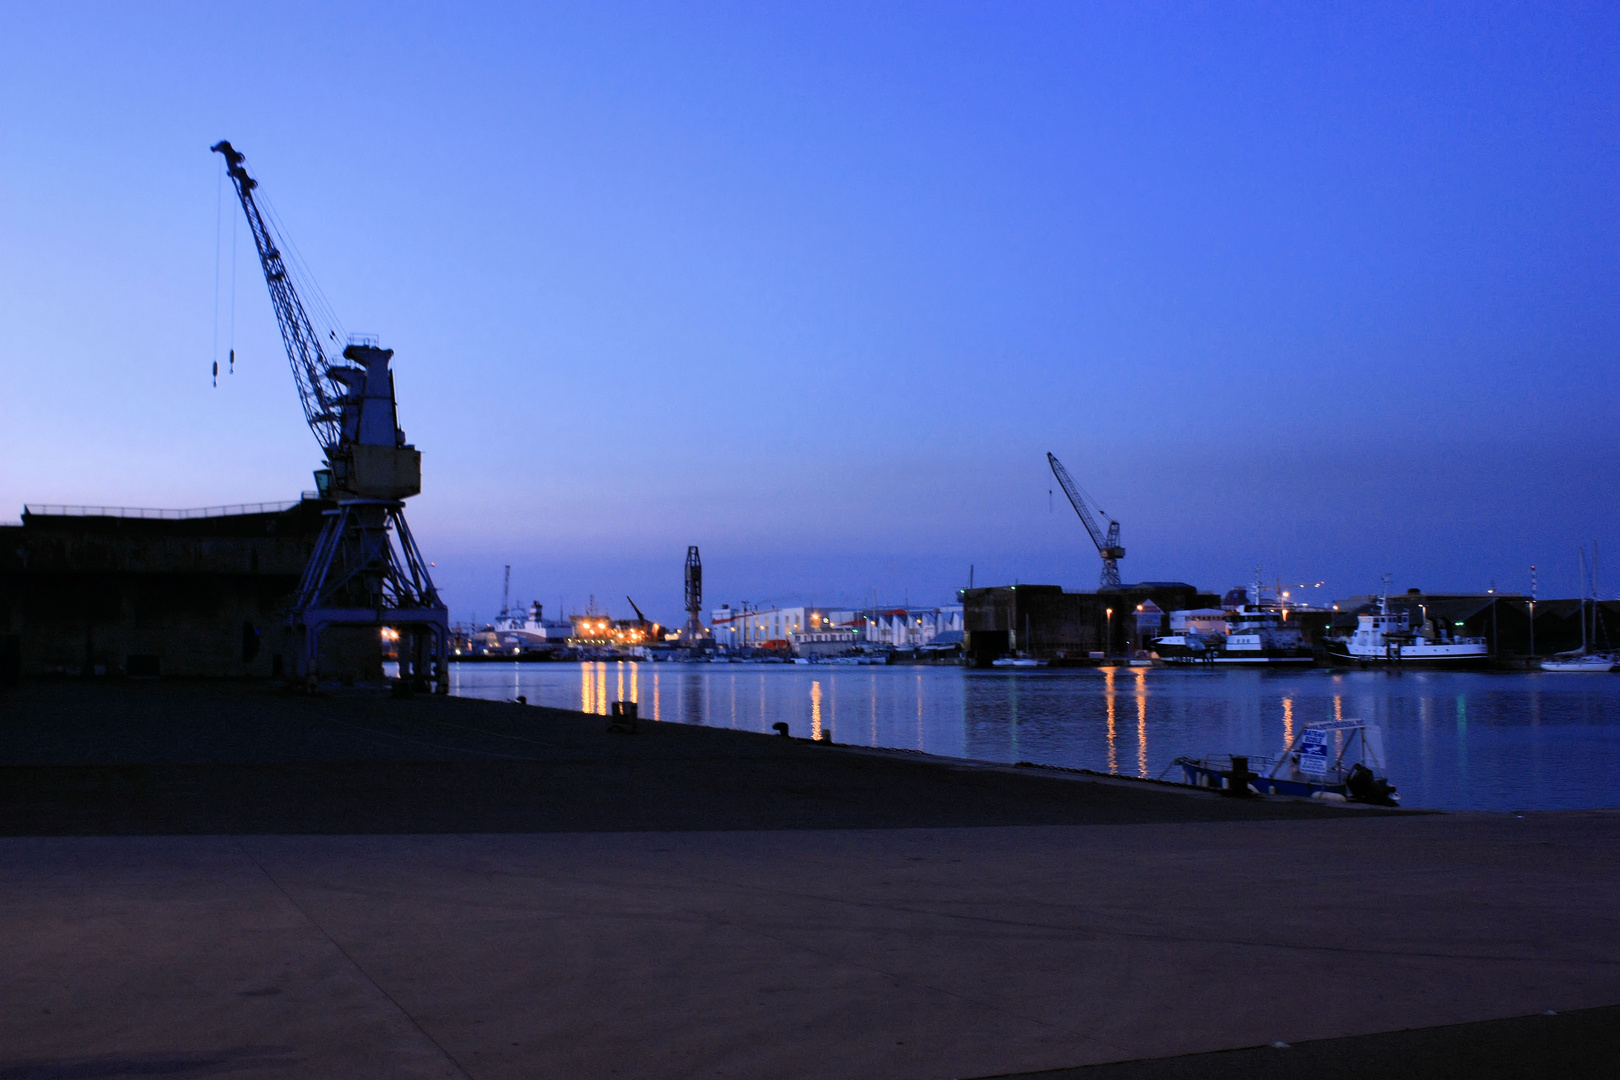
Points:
(1455, 740)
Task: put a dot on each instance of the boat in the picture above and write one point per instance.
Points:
(1584, 661)
(1255, 632)
(1018, 662)
(1387, 637)
(517, 631)
(1309, 768)
(1587, 663)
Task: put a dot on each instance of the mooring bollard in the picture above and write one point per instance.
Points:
(624, 717)
(781, 728)
(1238, 785)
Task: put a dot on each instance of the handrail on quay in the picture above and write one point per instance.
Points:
(50, 510)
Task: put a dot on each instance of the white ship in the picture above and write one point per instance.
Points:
(1387, 637)
(516, 631)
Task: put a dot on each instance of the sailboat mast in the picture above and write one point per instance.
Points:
(1582, 551)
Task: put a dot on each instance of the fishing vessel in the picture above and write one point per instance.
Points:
(1254, 633)
(1387, 636)
(1330, 761)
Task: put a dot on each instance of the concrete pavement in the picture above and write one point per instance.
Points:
(838, 953)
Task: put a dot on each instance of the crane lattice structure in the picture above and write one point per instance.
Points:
(1107, 543)
(366, 570)
(694, 631)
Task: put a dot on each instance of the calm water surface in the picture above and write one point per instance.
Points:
(1455, 740)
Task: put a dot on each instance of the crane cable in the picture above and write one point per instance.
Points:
(219, 204)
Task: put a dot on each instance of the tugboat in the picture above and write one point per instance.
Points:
(1387, 637)
(1308, 769)
(1257, 632)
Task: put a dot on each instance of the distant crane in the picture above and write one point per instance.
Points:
(1107, 543)
(366, 569)
(694, 630)
(645, 627)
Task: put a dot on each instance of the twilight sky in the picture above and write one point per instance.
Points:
(1327, 289)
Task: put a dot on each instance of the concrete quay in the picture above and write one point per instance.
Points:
(832, 918)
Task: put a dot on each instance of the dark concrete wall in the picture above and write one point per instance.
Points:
(1045, 621)
(85, 594)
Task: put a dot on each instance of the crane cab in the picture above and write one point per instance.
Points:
(374, 461)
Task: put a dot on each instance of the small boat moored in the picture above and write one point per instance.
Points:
(1589, 663)
(1308, 769)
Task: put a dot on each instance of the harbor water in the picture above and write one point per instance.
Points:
(1455, 740)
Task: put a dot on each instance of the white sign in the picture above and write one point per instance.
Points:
(1313, 752)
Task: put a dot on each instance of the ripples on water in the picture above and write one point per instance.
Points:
(1455, 740)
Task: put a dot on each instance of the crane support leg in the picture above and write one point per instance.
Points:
(366, 571)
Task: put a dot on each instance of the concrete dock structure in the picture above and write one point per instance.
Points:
(216, 881)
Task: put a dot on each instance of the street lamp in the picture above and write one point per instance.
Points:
(1532, 611)
(1108, 646)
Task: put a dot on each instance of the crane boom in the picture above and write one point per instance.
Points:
(1107, 542)
(310, 368)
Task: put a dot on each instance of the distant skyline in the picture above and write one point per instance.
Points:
(1327, 290)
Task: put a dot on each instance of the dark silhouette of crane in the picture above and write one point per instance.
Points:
(366, 569)
(694, 630)
(1107, 543)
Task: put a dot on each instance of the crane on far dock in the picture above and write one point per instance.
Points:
(1107, 543)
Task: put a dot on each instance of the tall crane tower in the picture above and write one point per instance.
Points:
(694, 631)
(366, 570)
(1107, 543)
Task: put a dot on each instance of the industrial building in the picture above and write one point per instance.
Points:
(1045, 622)
(912, 628)
(120, 591)
(743, 628)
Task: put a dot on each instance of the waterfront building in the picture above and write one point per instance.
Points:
(815, 643)
(97, 590)
(910, 628)
(771, 627)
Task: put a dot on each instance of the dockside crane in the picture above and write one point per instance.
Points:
(1107, 543)
(694, 631)
(366, 570)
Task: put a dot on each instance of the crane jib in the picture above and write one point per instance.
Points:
(308, 362)
(1107, 544)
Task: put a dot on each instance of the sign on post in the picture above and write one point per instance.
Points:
(1313, 752)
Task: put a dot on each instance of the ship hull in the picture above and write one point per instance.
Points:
(1174, 655)
(1217, 659)
(1419, 656)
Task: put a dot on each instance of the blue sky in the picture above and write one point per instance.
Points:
(1330, 289)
